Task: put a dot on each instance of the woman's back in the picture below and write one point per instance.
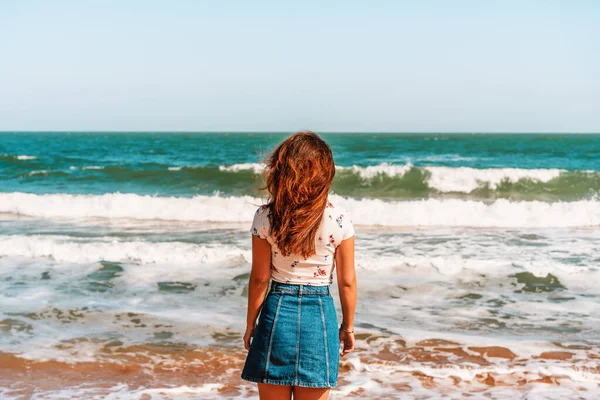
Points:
(317, 269)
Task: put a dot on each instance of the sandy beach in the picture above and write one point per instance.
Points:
(381, 368)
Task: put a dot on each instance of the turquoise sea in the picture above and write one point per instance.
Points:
(547, 167)
(477, 257)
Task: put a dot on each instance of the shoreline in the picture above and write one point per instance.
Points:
(426, 366)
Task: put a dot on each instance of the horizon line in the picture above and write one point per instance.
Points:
(316, 131)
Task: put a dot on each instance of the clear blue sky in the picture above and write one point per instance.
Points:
(415, 65)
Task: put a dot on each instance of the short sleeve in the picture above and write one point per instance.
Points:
(347, 227)
(260, 223)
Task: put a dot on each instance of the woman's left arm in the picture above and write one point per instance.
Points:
(257, 284)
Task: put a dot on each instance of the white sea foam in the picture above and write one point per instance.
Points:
(372, 171)
(40, 172)
(377, 384)
(443, 179)
(66, 249)
(464, 179)
(412, 287)
(72, 167)
(430, 212)
(257, 168)
(461, 179)
(26, 157)
(364, 172)
(453, 212)
(121, 205)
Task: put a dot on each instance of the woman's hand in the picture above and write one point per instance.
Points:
(346, 277)
(248, 335)
(347, 339)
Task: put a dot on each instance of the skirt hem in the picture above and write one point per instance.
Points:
(287, 382)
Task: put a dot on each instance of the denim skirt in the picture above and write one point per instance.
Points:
(296, 342)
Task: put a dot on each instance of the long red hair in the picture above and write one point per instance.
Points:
(298, 176)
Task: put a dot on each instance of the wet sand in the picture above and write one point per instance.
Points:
(395, 369)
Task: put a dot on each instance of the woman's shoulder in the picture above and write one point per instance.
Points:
(338, 222)
(260, 223)
(263, 209)
(262, 213)
(334, 207)
(337, 213)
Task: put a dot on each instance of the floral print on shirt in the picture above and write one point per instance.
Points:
(317, 269)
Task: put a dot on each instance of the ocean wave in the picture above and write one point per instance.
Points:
(73, 167)
(69, 249)
(372, 171)
(443, 179)
(130, 205)
(409, 181)
(447, 158)
(465, 180)
(413, 213)
(43, 174)
(254, 167)
(40, 172)
(469, 213)
(462, 178)
(382, 181)
(21, 157)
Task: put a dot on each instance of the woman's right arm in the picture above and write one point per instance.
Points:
(258, 284)
(346, 278)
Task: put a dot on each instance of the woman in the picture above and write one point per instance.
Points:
(296, 238)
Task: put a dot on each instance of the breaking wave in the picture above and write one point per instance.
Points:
(426, 212)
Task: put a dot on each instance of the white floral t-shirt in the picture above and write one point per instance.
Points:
(317, 270)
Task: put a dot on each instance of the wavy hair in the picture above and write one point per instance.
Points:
(298, 176)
